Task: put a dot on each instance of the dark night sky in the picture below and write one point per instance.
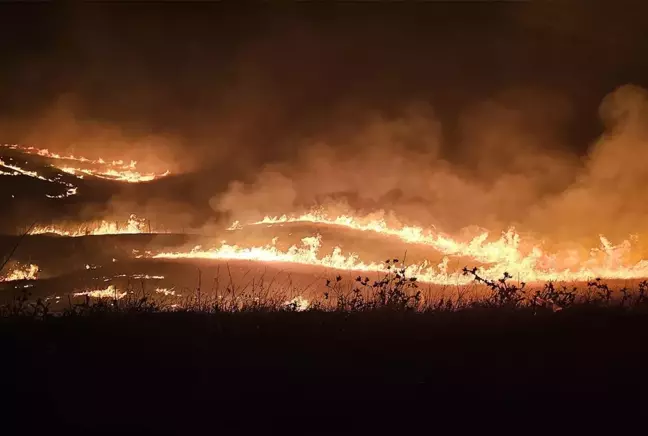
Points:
(188, 68)
(228, 91)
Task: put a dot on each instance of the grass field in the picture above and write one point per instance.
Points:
(376, 365)
(238, 349)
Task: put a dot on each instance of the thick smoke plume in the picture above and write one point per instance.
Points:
(509, 167)
(452, 118)
(607, 195)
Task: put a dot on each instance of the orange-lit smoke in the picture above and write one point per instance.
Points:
(511, 168)
(64, 133)
(499, 170)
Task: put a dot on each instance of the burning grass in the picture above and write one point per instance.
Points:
(396, 291)
(134, 225)
(523, 257)
(79, 166)
(363, 345)
(25, 272)
(16, 170)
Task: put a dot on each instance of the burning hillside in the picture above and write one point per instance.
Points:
(79, 166)
(12, 169)
(64, 171)
(441, 214)
(525, 260)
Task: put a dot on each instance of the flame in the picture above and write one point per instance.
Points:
(27, 273)
(526, 260)
(298, 303)
(136, 276)
(307, 254)
(507, 247)
(121, 175)
(167, 292)
(117, 170)
(18, 171)
(109, 292)
(134, 225)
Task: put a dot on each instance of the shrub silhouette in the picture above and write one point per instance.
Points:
(394, 292)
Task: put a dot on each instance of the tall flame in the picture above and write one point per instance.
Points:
(506, 248)
(524, 260)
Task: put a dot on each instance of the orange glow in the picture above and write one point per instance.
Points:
(29, 272)
(307, 254)
(134, 225)
(526, 260)
(18, 171)
(167, 292)
(109, 292)
(117, 170)
(125, 174)
(298, 304)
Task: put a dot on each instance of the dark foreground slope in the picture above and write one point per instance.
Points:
(178, 373)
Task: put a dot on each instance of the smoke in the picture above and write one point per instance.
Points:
(405, 117)
(509, 167)
(401, 163)
(505, 161)
(65, 128)
(608, 195)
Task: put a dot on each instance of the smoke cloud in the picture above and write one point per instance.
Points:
(397, 113)
(511, 168)
(607, 195)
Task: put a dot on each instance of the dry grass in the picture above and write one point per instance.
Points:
(394, 292)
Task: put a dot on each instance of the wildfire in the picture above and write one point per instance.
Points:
(117, 170)
(298, 304)
(524, 260)
(509, 253)
(109, 292)
(307, 254)
(134, 225)
(29, 272)
(505, 249)
(167, 292)
(18, 171)
(124, 174)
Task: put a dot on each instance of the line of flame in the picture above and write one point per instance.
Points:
(117, 170)
(527, 261)
(109, 292)
(17, 171)
(308, 255)
(134, 225)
